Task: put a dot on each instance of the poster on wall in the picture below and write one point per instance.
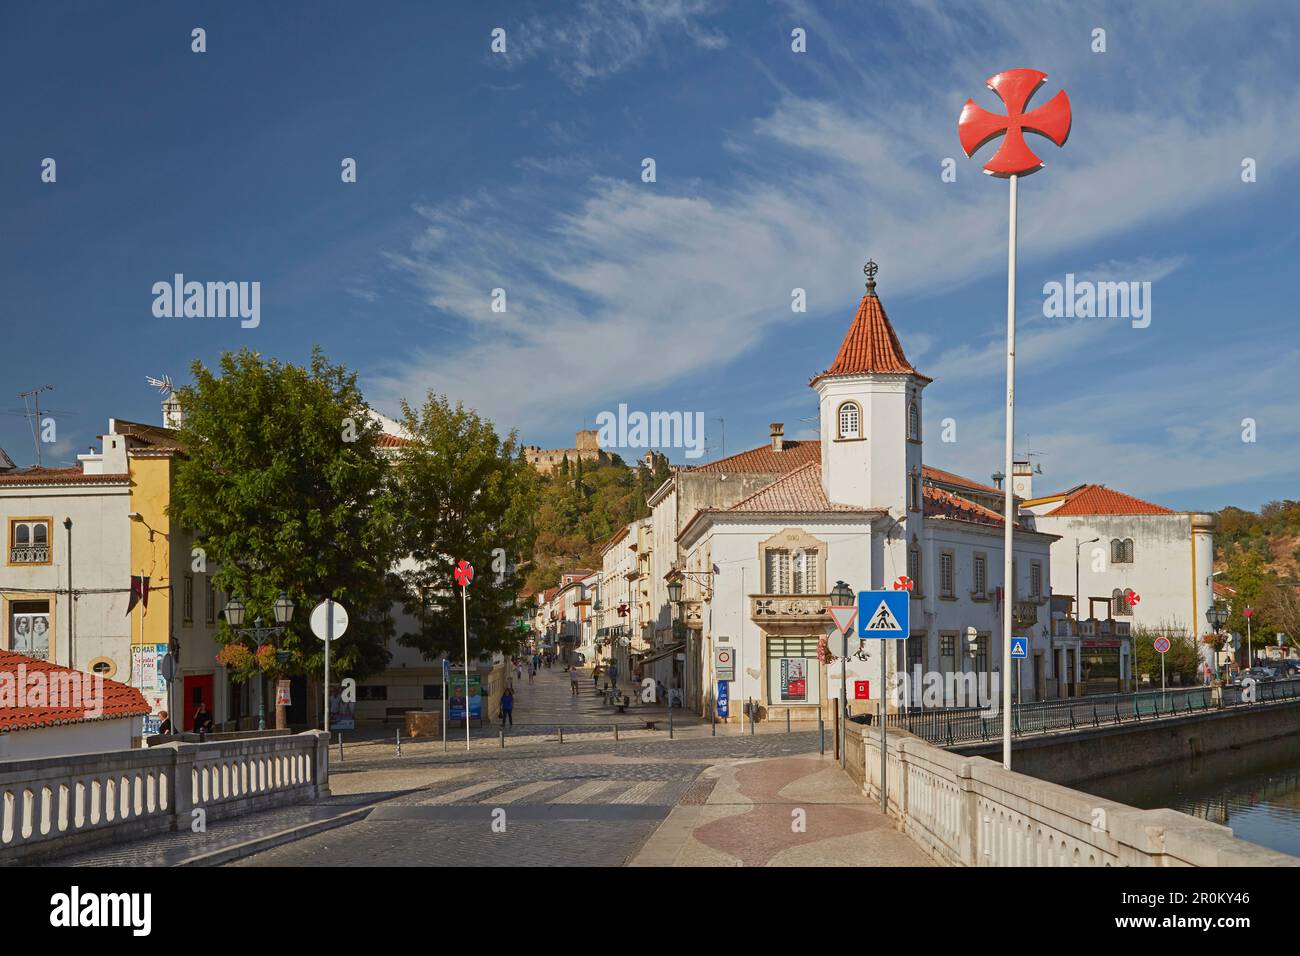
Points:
(29, 634)
(146, 675)
(794, 679)
(459, 698)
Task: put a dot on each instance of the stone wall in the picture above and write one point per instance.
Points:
(55, 805)
(968, 811)
(1105, 751)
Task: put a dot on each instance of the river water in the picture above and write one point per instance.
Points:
(1254, 789)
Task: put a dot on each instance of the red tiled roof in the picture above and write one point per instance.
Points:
(763, 460)
(1100, 500)
(938, 503)
(799, 491)
(870, 345)
(386, 440)
(948, 478)
(58, 476)
(118, 699)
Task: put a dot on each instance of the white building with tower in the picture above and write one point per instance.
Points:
(858, 506)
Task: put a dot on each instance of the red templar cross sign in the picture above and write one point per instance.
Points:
(976, 126)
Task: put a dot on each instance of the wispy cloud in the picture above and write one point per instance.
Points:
(604, 37)
(620, 286)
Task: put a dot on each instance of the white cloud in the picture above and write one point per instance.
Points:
(624, 286)
(604, 37)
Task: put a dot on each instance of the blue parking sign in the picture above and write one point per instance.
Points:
(883, 614)
(724, 698)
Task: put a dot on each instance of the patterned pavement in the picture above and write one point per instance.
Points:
(589, 801)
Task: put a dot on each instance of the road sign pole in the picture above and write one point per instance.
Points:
(329, 639)
(444, 705)
(884, 753)
(464, 618)
(844, 691)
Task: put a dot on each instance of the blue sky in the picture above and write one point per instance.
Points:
(775, 170)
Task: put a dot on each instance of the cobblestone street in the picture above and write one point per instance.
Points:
(598, 802)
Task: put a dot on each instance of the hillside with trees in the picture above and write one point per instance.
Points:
(1258, 555)
(581, 504)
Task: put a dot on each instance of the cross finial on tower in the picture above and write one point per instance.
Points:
(870, 269)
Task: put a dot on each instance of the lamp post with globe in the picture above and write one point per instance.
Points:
(234, 613)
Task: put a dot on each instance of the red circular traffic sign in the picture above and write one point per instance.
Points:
(1161, 644)
(464, 573)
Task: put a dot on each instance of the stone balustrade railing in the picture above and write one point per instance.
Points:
(54, 805)
(969, 811)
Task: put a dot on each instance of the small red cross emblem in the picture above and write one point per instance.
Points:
(904, 583)
(464, 573)
(976, 126)
(1132, 597)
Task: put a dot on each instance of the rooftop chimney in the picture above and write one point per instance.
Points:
(778, 441)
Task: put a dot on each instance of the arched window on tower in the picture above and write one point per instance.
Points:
(913, 422)
(850, 420)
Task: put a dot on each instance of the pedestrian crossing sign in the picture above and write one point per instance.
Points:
(1019, 647)
(883, 614)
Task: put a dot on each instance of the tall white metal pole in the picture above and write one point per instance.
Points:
(1008, 585)
(464, 617)
(329, 639)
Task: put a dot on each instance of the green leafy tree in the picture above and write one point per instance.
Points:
(464, 493)
(1182, 658)
(1252, 580)
(283, 486)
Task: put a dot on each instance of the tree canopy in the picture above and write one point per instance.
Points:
(283, 485)
(464, 494)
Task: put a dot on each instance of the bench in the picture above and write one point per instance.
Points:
(397, 713)
(651, 724)
(620, 702)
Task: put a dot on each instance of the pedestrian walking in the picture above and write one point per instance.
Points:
(613, 674)
(595, 676)
(532, 672)
(573, 681)
(508, 706)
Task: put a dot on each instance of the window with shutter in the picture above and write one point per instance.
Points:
(778, 571)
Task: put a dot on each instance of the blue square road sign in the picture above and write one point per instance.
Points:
(883, 614)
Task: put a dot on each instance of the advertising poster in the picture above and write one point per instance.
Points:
(794, 679)
(148, 678)
(343, 713)
(459, 697)
(30, 635)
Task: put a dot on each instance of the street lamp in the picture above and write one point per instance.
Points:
(234, 613)
(842, 596)
(675, 589)
(1078, 598)
(1217, 615)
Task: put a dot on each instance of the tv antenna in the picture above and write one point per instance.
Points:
(164, 384)
(35, 395)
